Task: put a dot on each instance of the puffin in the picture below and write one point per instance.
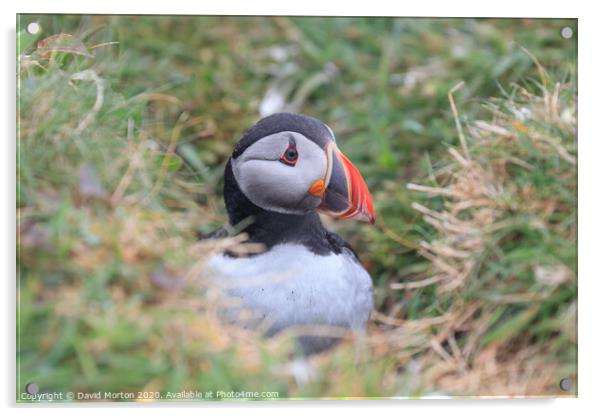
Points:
(284, 171)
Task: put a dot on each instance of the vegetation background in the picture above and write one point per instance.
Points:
(464, 129)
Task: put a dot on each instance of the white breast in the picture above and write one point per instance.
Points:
(289, 285)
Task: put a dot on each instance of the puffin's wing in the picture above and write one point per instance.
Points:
(339, 245)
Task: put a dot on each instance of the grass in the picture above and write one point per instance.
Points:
(505, 252)
(124, 128)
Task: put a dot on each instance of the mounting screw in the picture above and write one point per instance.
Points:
(566, 32)
(33, 28)
(32, 388)
(566, 384)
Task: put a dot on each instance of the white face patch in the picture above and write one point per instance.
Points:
(276, 186)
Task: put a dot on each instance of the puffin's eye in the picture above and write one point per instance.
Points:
(290, 155)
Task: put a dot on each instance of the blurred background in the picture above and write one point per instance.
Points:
(464, 129)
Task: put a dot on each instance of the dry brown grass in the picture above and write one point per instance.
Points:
(483, 196)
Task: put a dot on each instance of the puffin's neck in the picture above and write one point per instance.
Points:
(272, 228)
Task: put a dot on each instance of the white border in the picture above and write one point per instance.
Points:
(590, 190)
(507, 8)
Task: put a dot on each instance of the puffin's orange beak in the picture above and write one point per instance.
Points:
(344, 191)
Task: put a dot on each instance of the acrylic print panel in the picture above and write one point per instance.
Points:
(160, 261)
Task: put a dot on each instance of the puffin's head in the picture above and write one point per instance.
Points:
(290, 163)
